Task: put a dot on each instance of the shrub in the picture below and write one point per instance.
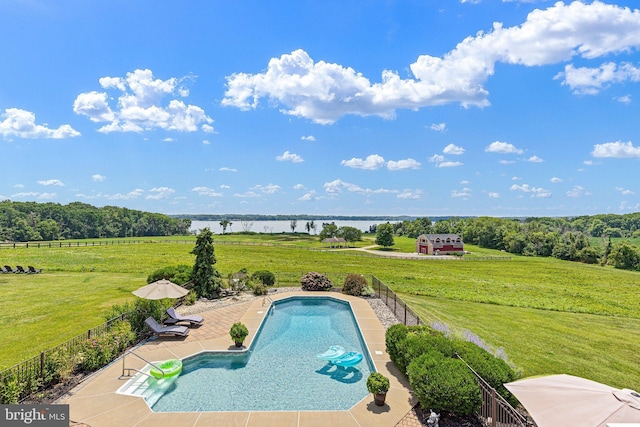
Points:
(260, 289)
(191, 298)
(493, 370)
(238, 332)
(315, 282)
(59, 365)
(377, 383)
(144, 308)
(368, 291)
(444, 385)
(265, 277)
(11, 390)
(178, 274)
(418, 343)
(99, 351)
(393, 337)
(354, 284)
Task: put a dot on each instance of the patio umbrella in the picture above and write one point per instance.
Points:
(161, 289)
(565, 400)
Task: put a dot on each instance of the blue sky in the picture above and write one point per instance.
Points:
(423, 108)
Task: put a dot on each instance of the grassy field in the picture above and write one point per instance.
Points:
(550, 316)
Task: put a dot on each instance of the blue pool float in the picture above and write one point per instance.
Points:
(334, 352)
(167, 369)
(349, 359)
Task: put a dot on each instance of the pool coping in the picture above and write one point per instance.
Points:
(97, 403)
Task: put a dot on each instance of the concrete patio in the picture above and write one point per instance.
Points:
(96, 403)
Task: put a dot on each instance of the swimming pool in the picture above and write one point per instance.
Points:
(279, 372)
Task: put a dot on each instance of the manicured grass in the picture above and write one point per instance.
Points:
(550, 316)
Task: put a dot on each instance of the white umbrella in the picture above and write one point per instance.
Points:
(161, 289)
(565, 400)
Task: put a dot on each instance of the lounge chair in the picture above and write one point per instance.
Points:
(20, 269)
(175, 317)
(8, 269)
(34, 270)
(158, 329)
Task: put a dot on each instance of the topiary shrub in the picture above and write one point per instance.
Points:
(444, 384)
(354, 284)
(418, 343)
(315, 282)
(393, 337)
(265, 277)
(493, 370)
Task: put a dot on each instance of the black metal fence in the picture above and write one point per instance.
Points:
(495, 410)
(30, 374)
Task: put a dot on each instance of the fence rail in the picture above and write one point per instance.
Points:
(495, 410)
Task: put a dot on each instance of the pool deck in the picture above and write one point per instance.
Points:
(96, 403)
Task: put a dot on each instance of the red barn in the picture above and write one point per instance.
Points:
(439, 244)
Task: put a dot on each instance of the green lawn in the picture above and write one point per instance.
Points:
(550, 316)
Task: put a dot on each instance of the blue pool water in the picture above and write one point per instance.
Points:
(280, 372)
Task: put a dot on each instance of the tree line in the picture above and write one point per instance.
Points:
(31, 221)
(562, 238)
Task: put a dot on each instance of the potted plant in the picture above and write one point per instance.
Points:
(238, 333)
(378, 384)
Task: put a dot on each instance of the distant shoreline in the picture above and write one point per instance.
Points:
(305, 217)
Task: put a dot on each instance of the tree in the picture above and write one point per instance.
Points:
(328, 231)
(307, 226)
(224, 224)
(206, 279)
(625, 256)
(384, 236)
(350, 234)
(246, 225)
(293, 224)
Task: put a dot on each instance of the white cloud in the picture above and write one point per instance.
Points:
(453, 149)
(226, 169)
(130, 195)
(55, 182)
(298, 187)
(555, 180)
(224, 186)
(267, 189)
(308, 138)
(535, 159)
(625, 191)
(24, 194)
(98, 178)
(577, 191)
(410, 194)
(309, 196)
(439, 127)
(589, 163)
(535, 191)
(336, 186)
(158, 193)
(372, 162)
(506, 162)
(324, 92)
(465, 182)
(449, 164)
(589, 81)
(15, 122)
(140, 105)
(403, 164)
(247, 194)
(206, 191)
(206, 142)
(289, 157)
(47, 196)
(502, 148)
(516, 178)
(464, 193)
(493, 195)
(436, 158)
(618, 149)
(169, 140)
(625, 99)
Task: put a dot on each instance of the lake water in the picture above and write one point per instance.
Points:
(279, 226)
